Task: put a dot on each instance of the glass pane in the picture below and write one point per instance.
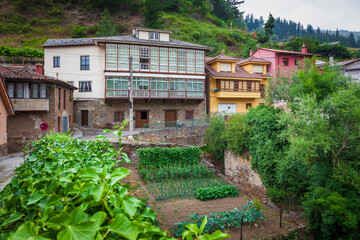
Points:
(42, 91)
(110, 84)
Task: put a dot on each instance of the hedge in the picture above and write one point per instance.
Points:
(159, 157)
(216, 192)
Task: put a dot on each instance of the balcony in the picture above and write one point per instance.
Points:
(30, 104)
(154, 94)
(238, 94)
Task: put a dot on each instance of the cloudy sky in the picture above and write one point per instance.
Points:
(326, 14)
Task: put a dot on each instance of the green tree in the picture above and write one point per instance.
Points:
(152, 13)
(269, 25)
(213, 139)
(78, 31)
(106, 26)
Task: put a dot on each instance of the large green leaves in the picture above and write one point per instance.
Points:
(27, 231)
(122, 226)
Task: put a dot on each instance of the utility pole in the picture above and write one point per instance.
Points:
(131, 98)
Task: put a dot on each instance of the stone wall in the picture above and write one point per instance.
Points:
(183, 135)
(238, 169)
(101, 111)
(3, 149)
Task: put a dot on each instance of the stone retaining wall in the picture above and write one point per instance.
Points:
(3, 149)
(183, 135)
(238, 169)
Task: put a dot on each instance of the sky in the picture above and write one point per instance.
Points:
(326, 14)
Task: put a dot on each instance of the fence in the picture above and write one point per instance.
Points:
(175, 124)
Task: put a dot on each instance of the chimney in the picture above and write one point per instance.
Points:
(331, 61)
(39, 68)
(304, 48)
(251, 52)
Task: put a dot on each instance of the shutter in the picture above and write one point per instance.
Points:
(225, 67)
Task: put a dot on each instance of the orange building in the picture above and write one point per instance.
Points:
(6, 109)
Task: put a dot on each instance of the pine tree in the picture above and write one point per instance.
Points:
(152, 13)
(106, 26)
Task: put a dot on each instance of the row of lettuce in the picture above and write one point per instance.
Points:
(306, 154)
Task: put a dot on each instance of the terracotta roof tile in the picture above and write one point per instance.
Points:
(222, 57)
(285, 52)
(252, 59)
(239, 73)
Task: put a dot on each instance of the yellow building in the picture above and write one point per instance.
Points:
(233, 86)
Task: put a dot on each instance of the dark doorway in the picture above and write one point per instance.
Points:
(142, 118)
(84, 118)
(170, 118)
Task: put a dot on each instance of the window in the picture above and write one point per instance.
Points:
(195, 88)
(85, 86)
(134, 53)
(144, 58)
(225, 67)
(172, 60)
(85, 63)
(262, 90)
(258, 69)
(140, 83)
(42, 91)
(35, 91)
(111, 56)
(154, 61)
(64, 97)
(199, 61)
(71, 83)
(58, 122)
(154, 36)
(159, 87)
(177, 88)
(241, 86)
(181, 60)
(56, 61)
(164, 60)
(117, 83)
(119, 116)
(189, 115)
(123, 57)
(10, 89)
(248, 105)
(236, 85)
(59, 97)
(190, 64)
(285, 62)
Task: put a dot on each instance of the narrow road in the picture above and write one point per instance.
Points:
(7, 166)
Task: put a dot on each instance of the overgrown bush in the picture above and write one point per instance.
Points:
(216, 192)
(213, 136)
(158, 157)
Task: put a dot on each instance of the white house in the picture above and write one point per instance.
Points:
(168, 77)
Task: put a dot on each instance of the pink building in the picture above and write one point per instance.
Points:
(280, 60)
(6, 109)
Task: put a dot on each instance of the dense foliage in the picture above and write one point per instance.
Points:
(222, 220)
(164, 173)
(25, 52)
(69, 189)
(198, 232)
(158, 157)
(216, 192)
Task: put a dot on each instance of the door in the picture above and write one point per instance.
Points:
(84, 118)
(170, 118)
(65, 124)
(142, 118)
(227, 107)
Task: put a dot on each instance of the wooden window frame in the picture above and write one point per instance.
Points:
(119, 116)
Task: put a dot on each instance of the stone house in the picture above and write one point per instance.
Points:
(351, 68)
(168, 77)
(235, 86)
(37, 99)
(6, 110)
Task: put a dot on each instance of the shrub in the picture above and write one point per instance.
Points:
(160, 157)
(213, 136)
(216, 192)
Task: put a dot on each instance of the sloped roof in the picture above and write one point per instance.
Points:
(355, 66)
(221, 57)
(129, 39)
(5, 98)
(344, 63)
(283, 52)
(25, 73)
(239, 73)
(252, 59)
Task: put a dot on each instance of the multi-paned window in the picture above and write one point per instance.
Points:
(177, 88)
(285, 62)
(181, 60)
(164, 60)
(26, 90)
(241, 86)
(144, 58)
(140, 83)
(195, 88)
(189, 115)
(199, 61)
(85, 62)
(85, 86)
(123, 57)
(190, 63)
(134, 53)
(56, 61)
(111, 56)
(159, 87)
(154, 36)
(172, 60)
(154, 59)
(117, 86)
(257, 69)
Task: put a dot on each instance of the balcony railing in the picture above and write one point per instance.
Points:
(30, 104)
(156, 94)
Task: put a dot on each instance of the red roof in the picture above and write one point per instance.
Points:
(239, 73)
(283, 52)
(25, 73)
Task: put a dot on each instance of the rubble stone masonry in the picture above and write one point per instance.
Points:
(3, 149)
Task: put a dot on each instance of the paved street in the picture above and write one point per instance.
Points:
(7, 167)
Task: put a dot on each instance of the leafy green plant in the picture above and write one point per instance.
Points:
(158, 157)
(195, 230)
(222, 220)
(69, 189)
(216, 192)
